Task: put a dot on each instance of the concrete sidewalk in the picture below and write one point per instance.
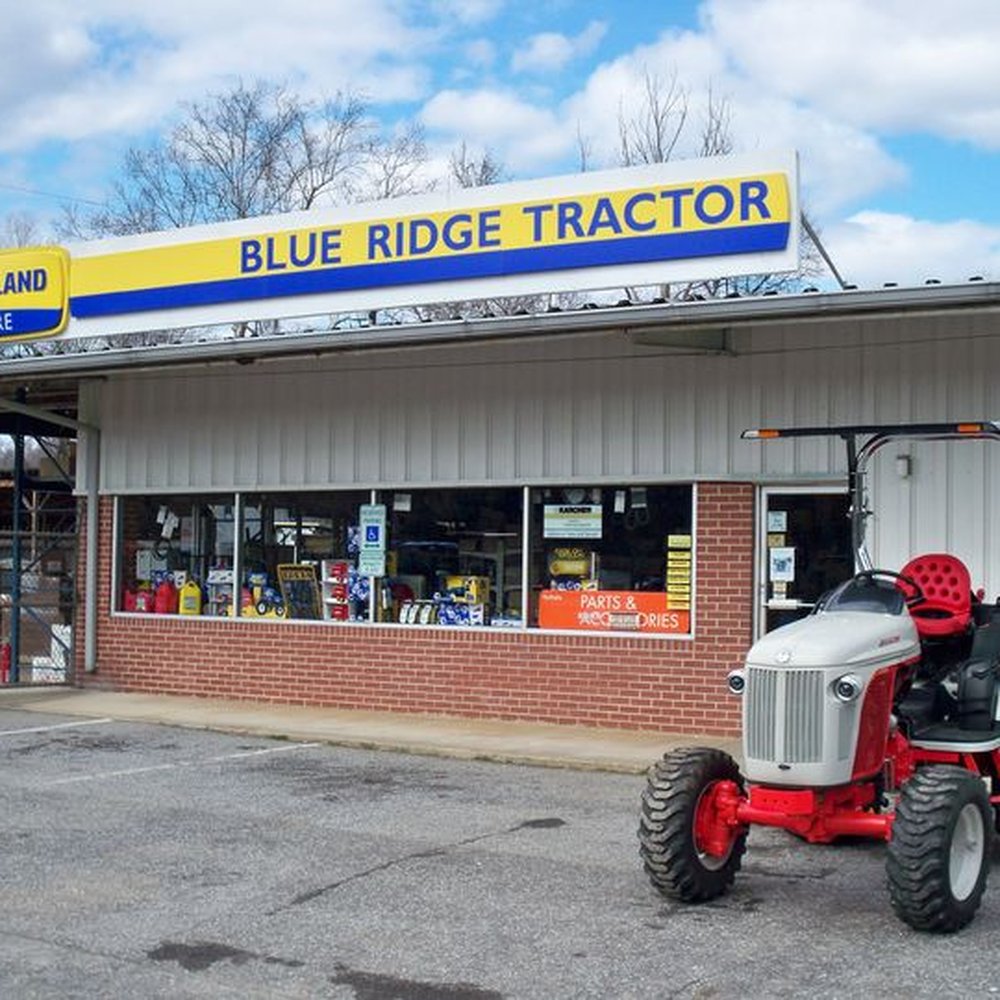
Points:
(582, 747)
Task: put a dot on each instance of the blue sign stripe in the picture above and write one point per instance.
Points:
(23, 322)
(631, 250)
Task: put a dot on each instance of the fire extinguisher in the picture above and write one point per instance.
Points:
(5, 662)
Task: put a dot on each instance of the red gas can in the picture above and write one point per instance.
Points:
(165, 599)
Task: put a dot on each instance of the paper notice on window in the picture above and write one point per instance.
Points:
(782, 565)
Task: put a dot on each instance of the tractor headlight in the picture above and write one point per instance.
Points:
(847, 688)
(736, 681)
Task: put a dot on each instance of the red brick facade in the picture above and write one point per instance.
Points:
(660, 684)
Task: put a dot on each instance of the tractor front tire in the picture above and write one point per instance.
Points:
(680, 788)
(939, 854)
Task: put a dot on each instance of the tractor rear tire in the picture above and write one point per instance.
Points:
(668, 839)
(939, 854)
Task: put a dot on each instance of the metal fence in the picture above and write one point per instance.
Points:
(37, 605)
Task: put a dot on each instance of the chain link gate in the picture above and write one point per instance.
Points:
(38, 529)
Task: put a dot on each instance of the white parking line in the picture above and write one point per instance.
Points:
(257, 753)
(102, 775)
(58, 725)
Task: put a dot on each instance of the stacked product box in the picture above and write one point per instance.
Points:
(336, 589)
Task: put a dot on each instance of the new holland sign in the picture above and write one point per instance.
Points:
(33, 293)
(685, 221)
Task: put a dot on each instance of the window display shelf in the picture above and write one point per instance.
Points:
(335, 589)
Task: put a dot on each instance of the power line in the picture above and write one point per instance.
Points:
(48, 194)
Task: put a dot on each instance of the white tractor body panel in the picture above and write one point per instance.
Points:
(796, 731)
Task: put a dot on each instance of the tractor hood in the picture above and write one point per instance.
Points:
(841, 638)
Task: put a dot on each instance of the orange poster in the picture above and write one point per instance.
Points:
(611, 611)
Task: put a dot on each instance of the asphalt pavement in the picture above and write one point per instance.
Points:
(169, 863)
(580, 747)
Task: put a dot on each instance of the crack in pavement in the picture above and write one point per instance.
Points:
(790, 876)
(546, 823)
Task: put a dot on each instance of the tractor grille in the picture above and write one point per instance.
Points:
(784, 715)
(761, 695)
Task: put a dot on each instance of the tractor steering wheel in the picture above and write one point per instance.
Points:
(912, 592)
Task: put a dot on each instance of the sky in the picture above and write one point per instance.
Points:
(892, 105)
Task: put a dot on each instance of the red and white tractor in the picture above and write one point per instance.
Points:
(875, 716)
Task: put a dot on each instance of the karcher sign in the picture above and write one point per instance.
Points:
(687, 221)
(33, 293)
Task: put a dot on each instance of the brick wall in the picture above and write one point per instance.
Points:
(660, 684)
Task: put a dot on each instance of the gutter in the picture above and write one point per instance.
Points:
(689, 317)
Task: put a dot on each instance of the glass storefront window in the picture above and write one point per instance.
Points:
(298, 556)
(454, 557)
(600, 558)
(170, 546)
(612, 558)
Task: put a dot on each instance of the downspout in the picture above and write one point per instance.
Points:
(90, 569)
(15, 554)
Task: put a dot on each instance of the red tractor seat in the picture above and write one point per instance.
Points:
(947, 589)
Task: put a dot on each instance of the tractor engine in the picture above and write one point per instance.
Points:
(818, 694)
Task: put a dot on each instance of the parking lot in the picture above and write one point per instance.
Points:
(148, 861)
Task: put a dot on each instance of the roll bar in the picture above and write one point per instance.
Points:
(862, 441)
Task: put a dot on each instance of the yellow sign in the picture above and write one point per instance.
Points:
(369, 249)
(33, 292)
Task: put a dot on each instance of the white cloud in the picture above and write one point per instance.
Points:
(894, 65)
(550, 51)
(545, 52)
(70, 70)
(683, 61)
(468, 11)
(841, 162)
(481, 53)
(831, 78)
(521, 134)
(871, 248)
(840, 165)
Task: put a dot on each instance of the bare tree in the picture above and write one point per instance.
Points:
(330, 145)
(468, 170)
(584, 150)
(392, 166)
(650, 133)
(254, 150)
(716, 129)
(19, 229)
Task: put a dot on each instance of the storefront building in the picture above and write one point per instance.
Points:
(549, 517)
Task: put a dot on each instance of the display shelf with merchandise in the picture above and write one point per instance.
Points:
(335, 591)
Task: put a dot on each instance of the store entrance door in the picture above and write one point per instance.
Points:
(804, 549)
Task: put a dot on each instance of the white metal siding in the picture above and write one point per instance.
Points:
(590, 408)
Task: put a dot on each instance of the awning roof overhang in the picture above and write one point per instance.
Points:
(701, 325)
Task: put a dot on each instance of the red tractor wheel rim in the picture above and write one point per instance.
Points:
(714, 834)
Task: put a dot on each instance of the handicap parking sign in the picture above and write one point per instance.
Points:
(372, 518)
(371, 558)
